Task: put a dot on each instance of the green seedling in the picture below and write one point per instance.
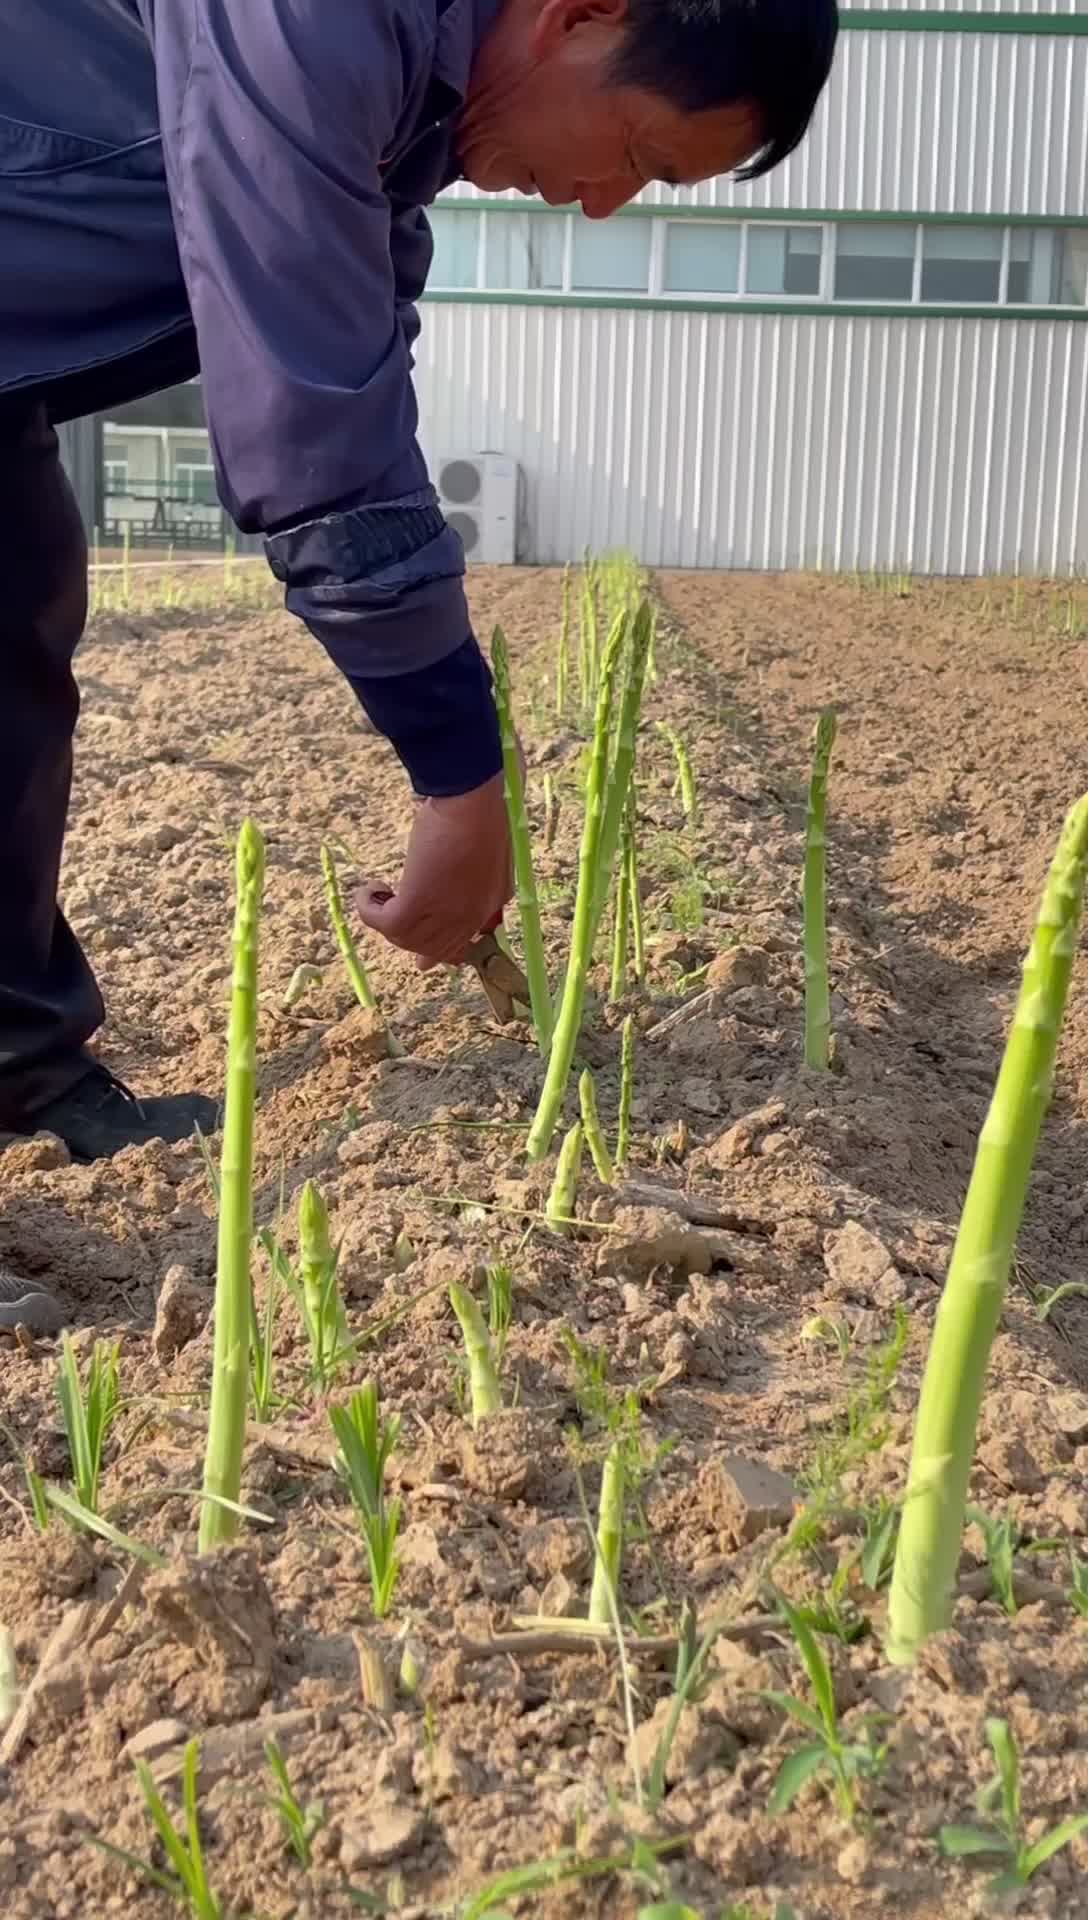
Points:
(88, 1409)
(234, 1284)
(562, 654)
(1054, 1298)
(540, 1875)
(536, 966)
(627, 1092)
(847, 1761)
(608, 1555)
(299, 1824)
(685, 778)
(262, 1348)
(823, 1332)
(1000, 1801)
(943, 1451)
(591, 1127)
(187, 1883)
(299, 985)
(318, 1291)
(485, 1391)
(564, 1191)
(500, 1308)
(817, 989)
(1003, 1541)
(366, 1442)
(349, 952)
(1078, 1591)
(877, 1555)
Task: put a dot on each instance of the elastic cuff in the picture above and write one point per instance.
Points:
(441, 721)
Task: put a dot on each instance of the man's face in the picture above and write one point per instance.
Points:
(543, 115)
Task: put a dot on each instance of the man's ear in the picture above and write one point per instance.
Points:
(555, 19)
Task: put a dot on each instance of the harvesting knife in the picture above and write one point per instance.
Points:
(500, 977)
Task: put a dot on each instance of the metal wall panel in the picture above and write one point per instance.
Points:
(933, 122)
(745, 440)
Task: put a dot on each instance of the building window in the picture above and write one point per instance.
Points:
(874, 260)
(194, 476)
(115, 472)
(961, 265)
(1073, 268)
(701, 256)
(610, 256)
(784, 260)
(456, 249)
(524, 250)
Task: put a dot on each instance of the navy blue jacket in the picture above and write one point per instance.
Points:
(239, 184)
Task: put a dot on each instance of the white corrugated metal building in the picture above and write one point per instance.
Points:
(876, 358)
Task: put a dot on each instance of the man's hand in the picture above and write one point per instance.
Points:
(457, 876)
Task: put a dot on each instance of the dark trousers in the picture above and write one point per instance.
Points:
(49, 1000)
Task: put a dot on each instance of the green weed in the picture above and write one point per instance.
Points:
(88, 1408)
(847, 1761)
(187, 1883)
(1000, 1802)
(299, 1823)
(366, 1442)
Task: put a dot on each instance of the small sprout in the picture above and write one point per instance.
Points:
(299, 985)
(323, 1312)
(88, 1409)
(1003, 1541)
(591, 1126)
(500, 1308)
(627, 1092)
(483, 1376)
(299, 1823)
(1078, 1592)
(186, 1881)
(604, 1595)
(817, 990)
(846, 1761)
(9, 1678)
(349, 952)
(560, 1207)
(413, 1666)
(404, 1252)
(1000, 1801)
(685, 778)
(366, 1442)
(820, 1331)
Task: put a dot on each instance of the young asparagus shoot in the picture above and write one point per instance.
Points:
(569, 1018)
(299, 1824)
(319, 1294)
(627, 1092)
(621, 923)
(484, 1389)
(88, 1409)
(366, 1442)
(685, 777)
(817, 989)
(604, 1593)
(551, 812)
(562, 658)
(621, 771)
(233, 1284)
(588, 664)
(928, 1553)
(629, 855)
(999, 1803)
(299, 985)
(560, 1207)
(536, 966)
(185, 1879)
(345, 940)
(591, 1126)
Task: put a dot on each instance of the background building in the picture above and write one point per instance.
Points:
(877, 358)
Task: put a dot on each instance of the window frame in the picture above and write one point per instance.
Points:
(829, 226)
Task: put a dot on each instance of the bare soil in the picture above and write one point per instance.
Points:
(963, 722)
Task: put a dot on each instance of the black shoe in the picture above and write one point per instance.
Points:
(99, 1115)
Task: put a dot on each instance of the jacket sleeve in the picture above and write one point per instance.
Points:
(275, 118)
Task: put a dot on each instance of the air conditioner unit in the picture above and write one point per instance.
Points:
(480, 496)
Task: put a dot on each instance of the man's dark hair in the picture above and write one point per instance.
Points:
(708, 53)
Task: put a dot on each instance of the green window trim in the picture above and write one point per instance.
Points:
(1059, 26)
(785, 216)
(806, 308)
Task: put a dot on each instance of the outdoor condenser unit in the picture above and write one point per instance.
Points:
(480, 495)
